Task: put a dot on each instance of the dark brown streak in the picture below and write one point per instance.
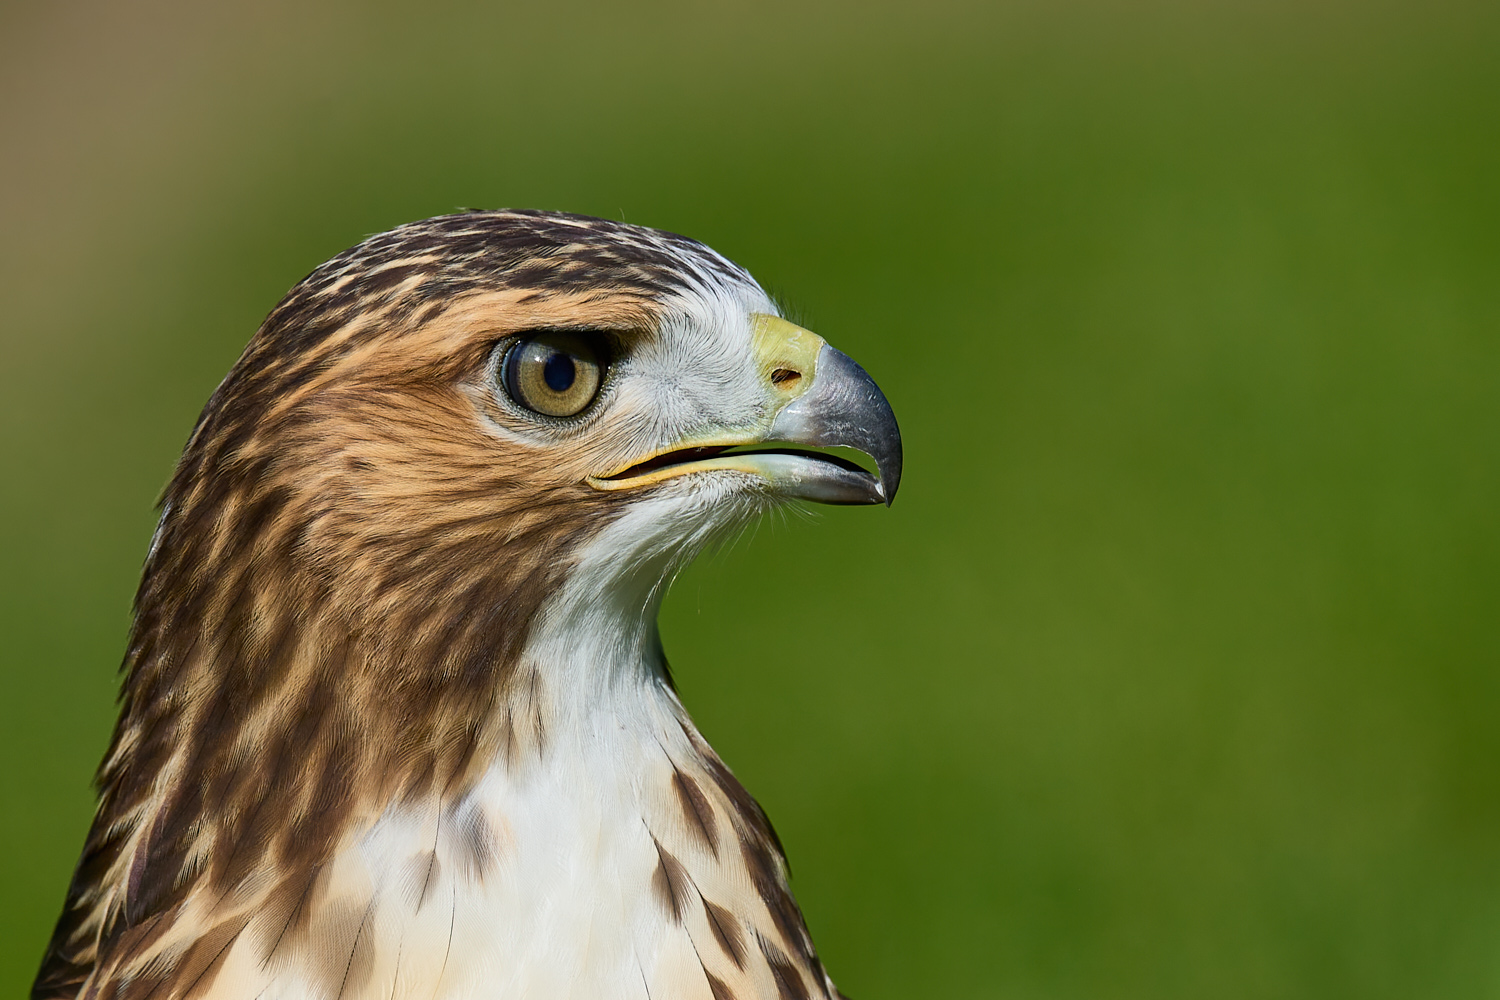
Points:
(715, 986)
(789, 983)
(696, 808)
(726, 931)
(510, 735)
(693, 802)
(671, 881)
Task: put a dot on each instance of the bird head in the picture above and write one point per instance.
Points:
(432, 437)
(454, 409)
(429, 510)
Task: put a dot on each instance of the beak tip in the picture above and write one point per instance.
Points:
(889, 461)
(888, 492)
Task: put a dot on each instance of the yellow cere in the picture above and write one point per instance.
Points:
(787, 353)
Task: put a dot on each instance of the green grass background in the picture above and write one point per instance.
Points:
(1173, 671)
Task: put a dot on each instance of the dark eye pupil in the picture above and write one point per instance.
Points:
(558, 371)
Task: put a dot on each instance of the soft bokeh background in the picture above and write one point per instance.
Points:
(1173, 672)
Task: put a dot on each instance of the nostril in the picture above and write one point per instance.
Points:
(784, 377)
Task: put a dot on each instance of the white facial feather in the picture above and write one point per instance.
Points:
(698, 373)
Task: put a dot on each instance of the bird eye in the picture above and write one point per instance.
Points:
(556, 374)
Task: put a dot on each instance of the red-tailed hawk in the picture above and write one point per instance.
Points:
(396, 722)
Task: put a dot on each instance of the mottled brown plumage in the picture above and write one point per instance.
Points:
(331, 637)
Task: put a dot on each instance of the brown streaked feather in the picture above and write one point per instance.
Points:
(696, 809)
(726, 931)
(673, 884)
(788, 977)
(764, 860)
(718, 987)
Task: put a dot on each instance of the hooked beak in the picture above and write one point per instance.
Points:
(821, 399)
(843, 408)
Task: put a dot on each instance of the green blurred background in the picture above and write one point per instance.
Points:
(1173, 672)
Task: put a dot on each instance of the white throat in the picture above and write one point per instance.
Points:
(574, 830)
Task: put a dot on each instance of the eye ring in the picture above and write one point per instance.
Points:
(554, 373)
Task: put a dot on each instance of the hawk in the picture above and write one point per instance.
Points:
(395, 720)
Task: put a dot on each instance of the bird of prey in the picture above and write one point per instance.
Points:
(395, 720)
